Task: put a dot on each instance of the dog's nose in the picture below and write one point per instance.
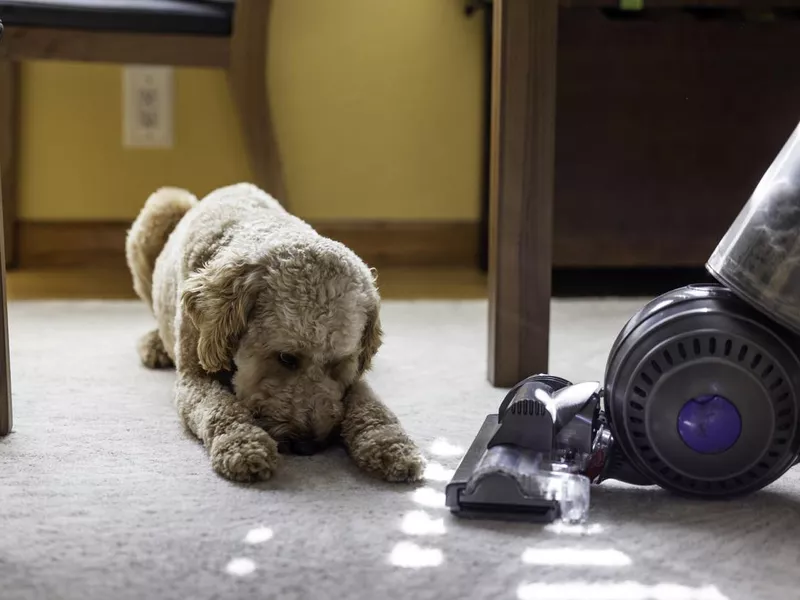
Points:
(304, 447)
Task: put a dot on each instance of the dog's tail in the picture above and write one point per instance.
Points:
(149, 234)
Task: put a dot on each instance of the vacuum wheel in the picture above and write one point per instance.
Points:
(701, 393)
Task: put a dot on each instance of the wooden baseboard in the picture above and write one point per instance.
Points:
(380, 244)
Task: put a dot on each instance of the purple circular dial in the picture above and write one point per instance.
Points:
(709, 424)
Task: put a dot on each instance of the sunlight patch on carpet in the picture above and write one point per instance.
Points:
(410, 556)
(435, 471)
(441, 447)
(606, 557)
(418, 522)
(240, 567)
(429, 497)
(259, 535)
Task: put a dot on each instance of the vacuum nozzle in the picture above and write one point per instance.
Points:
(528, 461)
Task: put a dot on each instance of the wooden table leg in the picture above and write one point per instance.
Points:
(247, 75)
(521, 194)
(9, 125)
(6, 420)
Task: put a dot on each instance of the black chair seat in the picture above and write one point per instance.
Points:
(196, 17)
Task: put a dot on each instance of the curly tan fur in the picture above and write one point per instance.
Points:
(149, 233)
(244, 292)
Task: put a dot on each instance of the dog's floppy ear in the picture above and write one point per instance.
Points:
(371, 339)
(218, 299)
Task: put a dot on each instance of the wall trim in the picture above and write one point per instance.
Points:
(380, 243)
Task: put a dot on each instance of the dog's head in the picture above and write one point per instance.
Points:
(300, 324)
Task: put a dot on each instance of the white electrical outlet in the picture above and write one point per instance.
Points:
(147, 98)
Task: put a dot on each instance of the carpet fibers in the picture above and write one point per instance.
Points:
(104, 497)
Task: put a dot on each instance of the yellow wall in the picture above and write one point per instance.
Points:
(378, 108)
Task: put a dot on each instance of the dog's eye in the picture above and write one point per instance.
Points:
(289, 361)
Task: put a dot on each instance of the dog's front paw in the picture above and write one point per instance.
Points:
(392, 457)
(152, 352)
(401, 462)
(244, 453)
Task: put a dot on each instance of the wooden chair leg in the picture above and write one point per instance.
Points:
(247, 75)
(6, 416)
(9, 124)
(522, 181)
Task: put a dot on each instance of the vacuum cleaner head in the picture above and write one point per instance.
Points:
(529, 460)
(701, 394)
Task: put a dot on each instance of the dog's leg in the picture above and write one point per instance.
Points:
(152, 352)
(375, 439)
(239, 450)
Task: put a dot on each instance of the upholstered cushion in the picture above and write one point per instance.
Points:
(208, 17)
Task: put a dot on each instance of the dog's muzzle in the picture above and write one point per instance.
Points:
(301, 447)
(305, 447)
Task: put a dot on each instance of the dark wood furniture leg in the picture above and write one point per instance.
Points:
(521, 194)
(6, 420)
(9, 123)
(247, 76)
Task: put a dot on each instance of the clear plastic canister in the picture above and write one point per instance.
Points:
(758, 258)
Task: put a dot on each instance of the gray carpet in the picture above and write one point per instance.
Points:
(102, 496)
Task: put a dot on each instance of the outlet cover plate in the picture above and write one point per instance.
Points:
(147, 98)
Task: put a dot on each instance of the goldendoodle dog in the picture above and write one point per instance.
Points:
(270, 327)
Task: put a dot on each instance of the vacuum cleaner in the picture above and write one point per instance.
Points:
(700, 393)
